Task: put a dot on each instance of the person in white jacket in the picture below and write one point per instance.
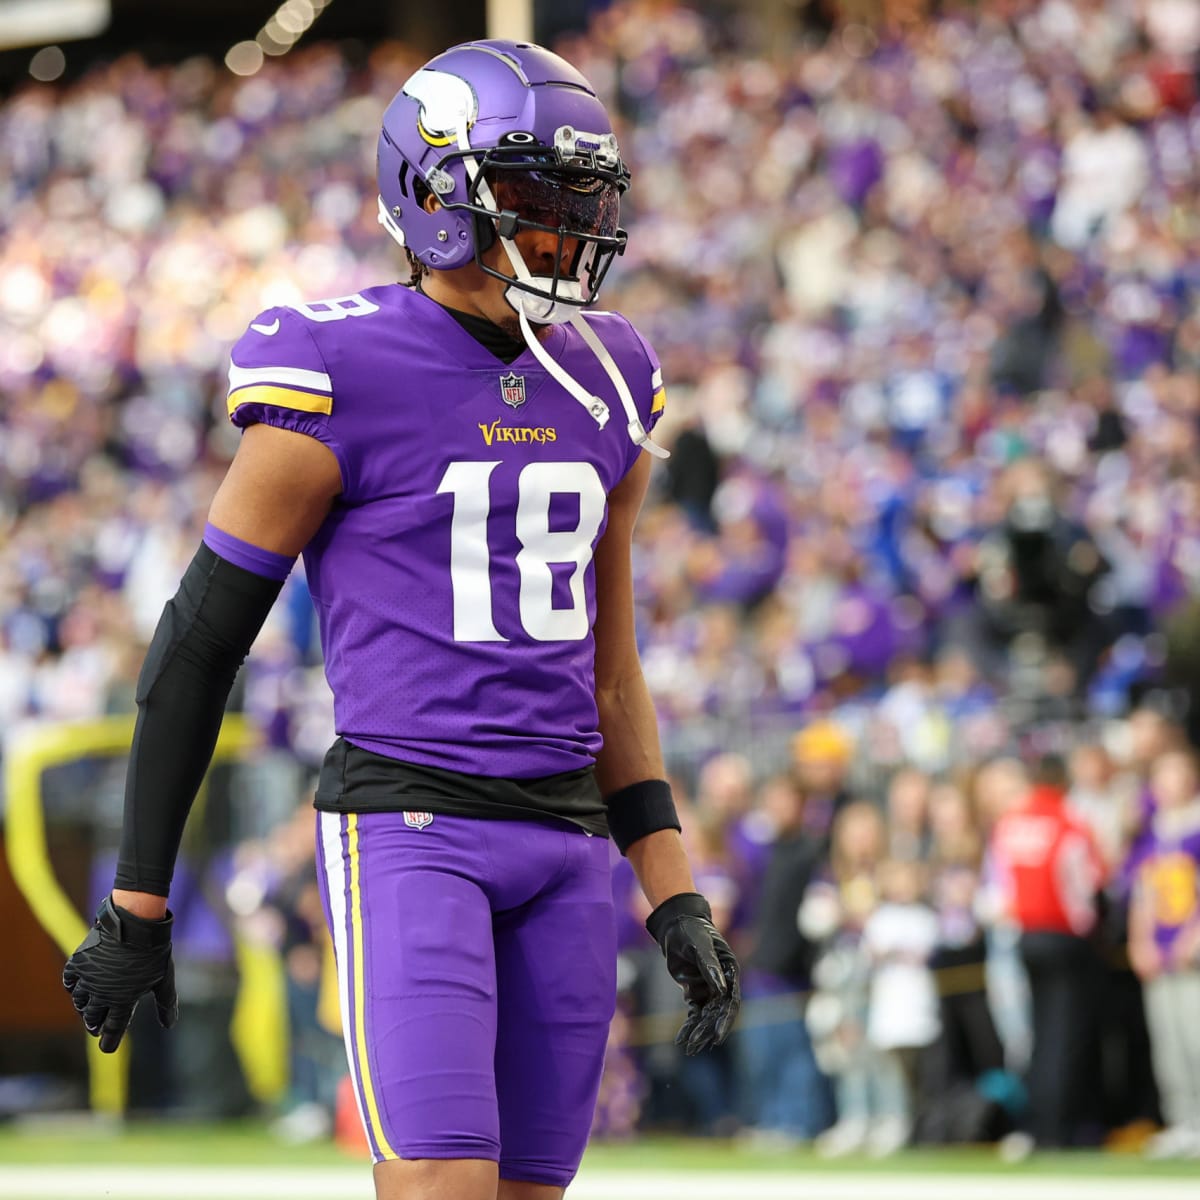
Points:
(902, 1009)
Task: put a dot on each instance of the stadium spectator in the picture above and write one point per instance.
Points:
(907, 806)
(1051, 871)
(821, 759)
(786, 1096)
(280, 874)
(726, 803)
(962, 1069)
(1106, 800)
(1037, 574)
(996, 787)
(1164, 947)
(899, 939)
(1102, 800)
(833, 915)
(708, 1082)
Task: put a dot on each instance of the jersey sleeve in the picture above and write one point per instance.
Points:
(658, 391)
(278, 377)
(649, 392)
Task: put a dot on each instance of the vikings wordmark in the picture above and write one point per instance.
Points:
(495, 432)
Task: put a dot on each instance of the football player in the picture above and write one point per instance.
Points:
(461, 462)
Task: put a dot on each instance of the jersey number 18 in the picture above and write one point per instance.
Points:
(541, 547)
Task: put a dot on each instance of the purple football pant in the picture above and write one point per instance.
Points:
(477, 974)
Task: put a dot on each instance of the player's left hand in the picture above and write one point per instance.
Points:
(702, 963)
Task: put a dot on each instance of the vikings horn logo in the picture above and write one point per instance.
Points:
(512, 389)
(446, 102)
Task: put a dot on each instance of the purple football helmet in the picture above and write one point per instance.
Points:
(508, 137)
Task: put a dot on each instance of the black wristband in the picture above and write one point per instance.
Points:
(144, 932)
(685, 904)
(640, 809)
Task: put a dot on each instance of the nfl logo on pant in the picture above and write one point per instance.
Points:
(418, 820)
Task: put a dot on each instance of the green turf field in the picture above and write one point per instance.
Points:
(249, 1144)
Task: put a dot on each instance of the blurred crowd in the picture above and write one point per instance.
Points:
(1005, 953)
(926, 289)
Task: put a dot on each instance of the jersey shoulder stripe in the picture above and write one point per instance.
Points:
(278, 397)
(658, 389)
(295, 377)
(282, 387)
(658, 399)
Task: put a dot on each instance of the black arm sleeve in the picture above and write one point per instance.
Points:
(202, 639)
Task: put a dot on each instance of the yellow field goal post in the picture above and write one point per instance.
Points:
(259, 1028)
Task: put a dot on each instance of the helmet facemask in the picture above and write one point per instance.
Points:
(577, 208)
(521, 186)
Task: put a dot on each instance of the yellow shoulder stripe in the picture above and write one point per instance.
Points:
(280, 397)
(659, 402)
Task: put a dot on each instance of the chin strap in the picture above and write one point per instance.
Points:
(543, 309)
(595, 406)
(634, 427)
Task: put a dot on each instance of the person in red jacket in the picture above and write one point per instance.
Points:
(1051, 870)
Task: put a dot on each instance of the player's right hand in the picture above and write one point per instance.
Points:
(122, 958)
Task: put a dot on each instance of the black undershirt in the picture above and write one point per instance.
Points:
(356, 780)
(487, 333)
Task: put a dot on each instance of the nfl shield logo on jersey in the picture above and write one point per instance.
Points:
(418, 820)
(512, 389)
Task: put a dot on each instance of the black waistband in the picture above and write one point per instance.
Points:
(356, 780)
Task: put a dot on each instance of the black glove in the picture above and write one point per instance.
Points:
(122, 958)
(701, 962)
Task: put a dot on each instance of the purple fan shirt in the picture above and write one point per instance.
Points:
(1169, 871)
(453, 579)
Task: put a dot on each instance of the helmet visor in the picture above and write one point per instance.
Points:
(581, 205)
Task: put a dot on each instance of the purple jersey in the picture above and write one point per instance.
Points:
(1169, 873)
(453, 579)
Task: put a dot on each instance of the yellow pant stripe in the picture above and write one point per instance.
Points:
(360, 992)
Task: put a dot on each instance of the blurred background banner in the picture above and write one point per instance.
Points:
(917, 590)
(36, 22)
